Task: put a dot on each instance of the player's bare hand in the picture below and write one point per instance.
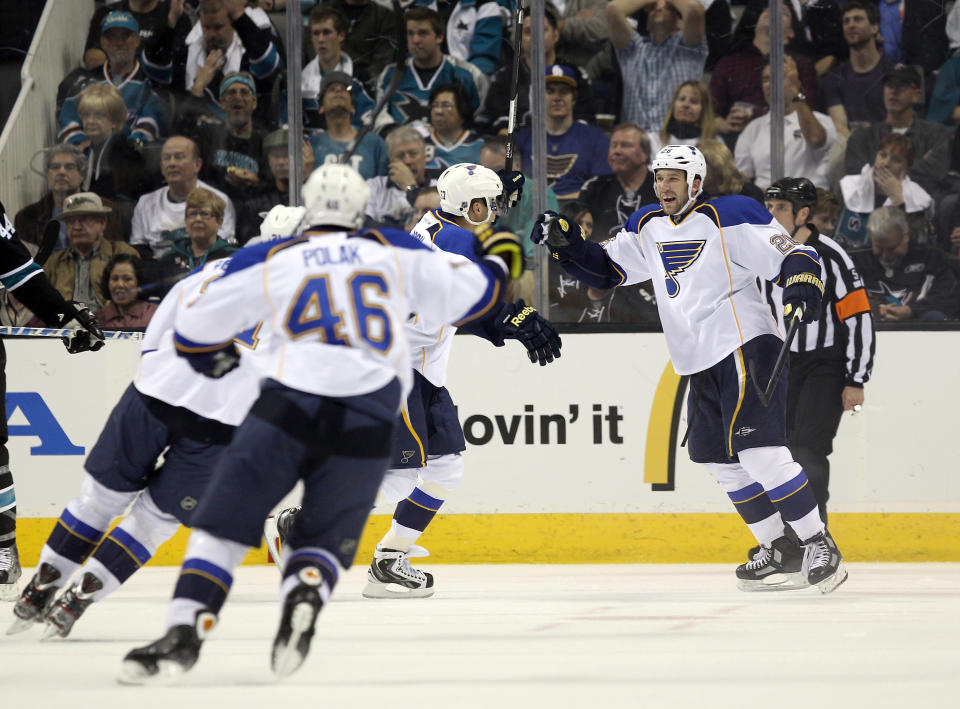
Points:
(240, 177)
(890, 311)
(401, 175)
(211, 66)
(851, 396)
(889, 184)
(235, 8)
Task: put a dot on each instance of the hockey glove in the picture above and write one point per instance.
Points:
(504, 244)
(562, 236)
(522, 322)
(215, 363)
(803, 290)
(85, 334)
(512, 188)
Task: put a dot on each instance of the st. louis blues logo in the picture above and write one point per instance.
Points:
(677, 257)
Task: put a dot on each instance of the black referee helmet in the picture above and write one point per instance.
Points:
(798, 191)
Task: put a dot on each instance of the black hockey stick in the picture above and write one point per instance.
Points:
(391, 89)
(765, 394)
(514, 85)
(51, 232)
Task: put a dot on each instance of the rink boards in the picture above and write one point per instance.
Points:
(575, 462)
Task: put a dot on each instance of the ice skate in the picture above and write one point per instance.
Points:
(276, 530)
(300, 611)
(775, 567)
(36, 599)
(391, 576)
(9, 573)
(170, 656)
(822, 563)
(70, 606)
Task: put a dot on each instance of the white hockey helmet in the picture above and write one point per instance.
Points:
(686, 158)
(335, 195)
(464, 182)
(281, 222)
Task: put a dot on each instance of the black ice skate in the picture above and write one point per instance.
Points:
(300, 611)
(170, 656)
(9, 573)
(276, 530)
(777, 567)
(36, 599)
(822, 563)
(391, 576)
(70, 606)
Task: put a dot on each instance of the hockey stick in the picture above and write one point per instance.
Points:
(51, 232)
(514, 85)
(9, 331)
(391, 89)
(765, 394)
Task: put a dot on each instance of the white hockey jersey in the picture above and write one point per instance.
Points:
(704, 272)
(158, 221)
(431, 342)
(169, 378)
(336, 306)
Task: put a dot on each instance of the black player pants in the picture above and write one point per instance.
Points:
(814, 409)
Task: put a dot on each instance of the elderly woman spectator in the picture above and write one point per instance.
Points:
(723, 177)
(121, 281)
(884, 183)
(689, 119)
(115, 169)
(448, 136)
(203, 217)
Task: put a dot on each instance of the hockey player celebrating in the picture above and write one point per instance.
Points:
(337, 369)
(20, 275)
(704, 258)
(171, 410)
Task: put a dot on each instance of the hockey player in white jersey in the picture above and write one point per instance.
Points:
(704, 258)
(427, 463)
(337, 367)
(169, 409)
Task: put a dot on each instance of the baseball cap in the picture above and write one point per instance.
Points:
(335, 77)
(277, 139)
(119, 18)
(559, 72)
(904, 74)
(83, 203)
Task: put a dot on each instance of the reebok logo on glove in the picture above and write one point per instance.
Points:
(517, 320)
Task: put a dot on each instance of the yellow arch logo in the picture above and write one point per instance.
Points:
(660, 453)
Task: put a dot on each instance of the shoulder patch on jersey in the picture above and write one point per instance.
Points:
(258, 253)
(736, 209)
(636, 220)
(709, 211)
(390, 237)
(677, 257)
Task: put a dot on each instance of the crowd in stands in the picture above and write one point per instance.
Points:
(171, 135)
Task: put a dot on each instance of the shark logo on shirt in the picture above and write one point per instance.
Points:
(677, 256)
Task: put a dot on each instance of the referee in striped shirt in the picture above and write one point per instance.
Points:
(831, 358)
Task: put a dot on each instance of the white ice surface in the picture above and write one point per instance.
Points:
(531, 636)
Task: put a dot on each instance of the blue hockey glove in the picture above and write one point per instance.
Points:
(522, 322)
(505, 244)
(512, 187)
(562, 236)
(214, 363)
(803, 290)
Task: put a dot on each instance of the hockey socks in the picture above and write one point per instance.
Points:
(411, 517)
(205, 577)
(306, 558)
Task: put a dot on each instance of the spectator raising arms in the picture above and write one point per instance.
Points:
(674, 51)
(122, 278)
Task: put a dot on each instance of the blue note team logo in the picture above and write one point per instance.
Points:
(677, 257)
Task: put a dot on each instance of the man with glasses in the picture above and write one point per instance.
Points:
(65, 166)
(77, 271)
(158, 218)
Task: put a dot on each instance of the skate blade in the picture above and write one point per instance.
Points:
(53, 631)
(20, 626)
(833, 582)
(287, 658)
(133, 673)
(774, 582)
(9, 591)
(394, 590)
